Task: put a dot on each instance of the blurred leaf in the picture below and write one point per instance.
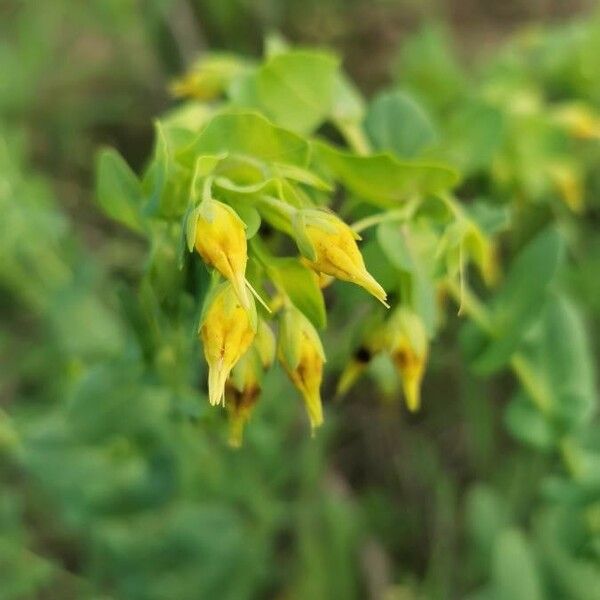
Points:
(348, 106)
(567, 361)
(527, 424)
(248, 134)
(383, 179)
(515, 575)
(485, 517)
(402, 247)
(517, 304)
(118, 190)
(395, 122)
(295, 88)
(300, 284)
(428, 66)
(474, 136)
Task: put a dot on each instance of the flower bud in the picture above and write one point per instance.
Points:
(301, 353)
(242, 391)
(220, 240)
(336, 252)
(227, 330)
(408, 346)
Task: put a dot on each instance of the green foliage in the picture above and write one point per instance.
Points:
(465, 186)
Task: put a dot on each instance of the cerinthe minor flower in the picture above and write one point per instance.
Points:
(227, 330)
(372, 344)
(301, 353)
(336, 252)
(220, 239)
(408, 346)
(243, 387)
(242, 391)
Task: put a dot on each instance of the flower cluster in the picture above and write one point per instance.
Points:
(239, 344)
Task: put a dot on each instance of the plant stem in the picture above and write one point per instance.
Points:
(399, 214)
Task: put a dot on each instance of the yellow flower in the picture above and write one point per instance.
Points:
(336, 252)
(242, 391)
(568, 181)
(220, 240)
(579, 120)
(227, 330)
(243, 387)
(208, 78)
(372, 344)
(408, 346)
(301, 354)
(483, 253)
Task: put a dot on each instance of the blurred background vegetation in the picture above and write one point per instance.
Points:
(112, 486)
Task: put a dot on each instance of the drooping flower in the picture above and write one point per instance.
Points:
(336, 252)
(227, 330)
(372, 344)
(408, 346)
(242, 391)
(220, 239)
(301, 353)
(243, 387)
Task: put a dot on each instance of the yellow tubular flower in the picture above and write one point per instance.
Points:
(242, 391)
(568, 182)
(243, 386)
(301, 354)
(220, 240)
(408, 346)
(372, 344)
(336, 252)
(227, 330)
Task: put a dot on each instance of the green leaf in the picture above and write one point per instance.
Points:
(249, 215)
(527, 424)
(348, 105)
(301, 285)
(567, 361)
(384, 180)
(295, 88)
(395, 122)
(485, 517)
(518, 303)
(474, 136)
(118, 190)
(303, 242)
(571, 575)
(407, 251)
(249, 134)
(166, 183)
(515, 574)
(428, 66)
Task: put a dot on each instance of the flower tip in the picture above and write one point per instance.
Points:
(369, 283)
(412, 394)
(236, 435)
(314, 408)
(348, 377)
(217, 375)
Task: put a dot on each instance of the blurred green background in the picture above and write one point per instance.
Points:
(114, 486)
